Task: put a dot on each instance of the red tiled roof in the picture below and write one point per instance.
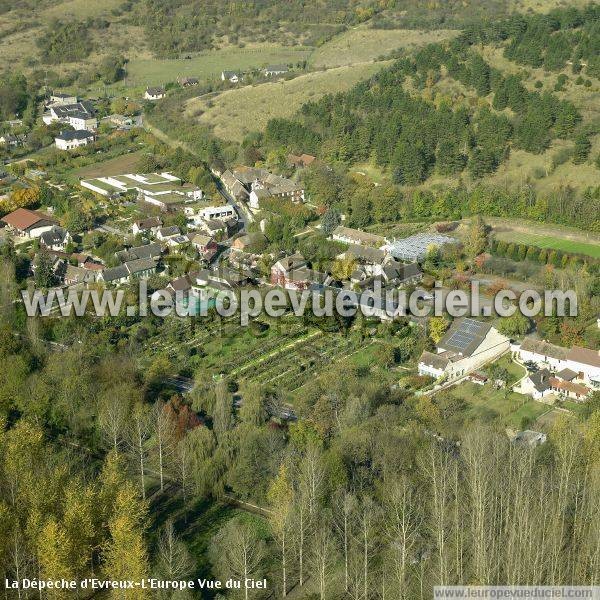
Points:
(22, 218)
(585, 356)
(568, 386)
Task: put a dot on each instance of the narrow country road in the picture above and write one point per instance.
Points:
(243, 214)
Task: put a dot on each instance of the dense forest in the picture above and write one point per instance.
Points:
(565, 36)
(414, 137)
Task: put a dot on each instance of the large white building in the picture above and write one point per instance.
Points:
(80, 115)
(159, 189)
(582, 361)
(67, 140)
(467, 346)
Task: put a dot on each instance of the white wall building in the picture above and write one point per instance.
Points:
(67, 140)
(467, 346)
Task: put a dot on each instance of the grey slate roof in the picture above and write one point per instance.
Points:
(365, 253)
(436, 361)
(78, 134)
(140, 265)
(153, 250)
(115, 273)
(540, 380)
(54, 236)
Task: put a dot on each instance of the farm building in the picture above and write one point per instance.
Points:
(467, 346)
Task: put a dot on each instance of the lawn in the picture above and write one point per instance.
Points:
(141, 72)
(235, 113)
(487, 404)
(362, 44)
(120, 165)
(551, 243)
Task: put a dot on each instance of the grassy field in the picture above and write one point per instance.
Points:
(487, 404)
(235, 113)
(362, 44)
(551, 243)
(115, 166)
(210, 64)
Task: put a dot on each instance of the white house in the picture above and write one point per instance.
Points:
(218, 212)
(67, 140)
(467, 346)
(56, 238)
(541, 353)
(347, 235)
(152, 225)
(59, 99)
(154, 93)
(584, 362)
(80, 115)
(28, 223)
(545, 386)
(230, 76)
(164, 233)
(275, 70)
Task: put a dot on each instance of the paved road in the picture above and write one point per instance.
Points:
(243, 213)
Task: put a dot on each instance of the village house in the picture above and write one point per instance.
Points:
(78, 276)
(584, 362)
(188, 82)
(28, 223)
(141, 268)
(467, 346)
(231, 76)
(395, 273)
(67, 140)
(234, 186)
(545, 386)
(153, 251)
(253, 184)
(275, 70)
(214, 228)
(59, 99)
(205, 244)
(164, 233)
(154, 93)
(149, 225)
(176, 241)
(226, 211)
(80, 115)
(293, 273)
(12, 141)
(56, 238)
(243, 242)
(347, 235)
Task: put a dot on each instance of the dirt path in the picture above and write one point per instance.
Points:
(163, 137)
